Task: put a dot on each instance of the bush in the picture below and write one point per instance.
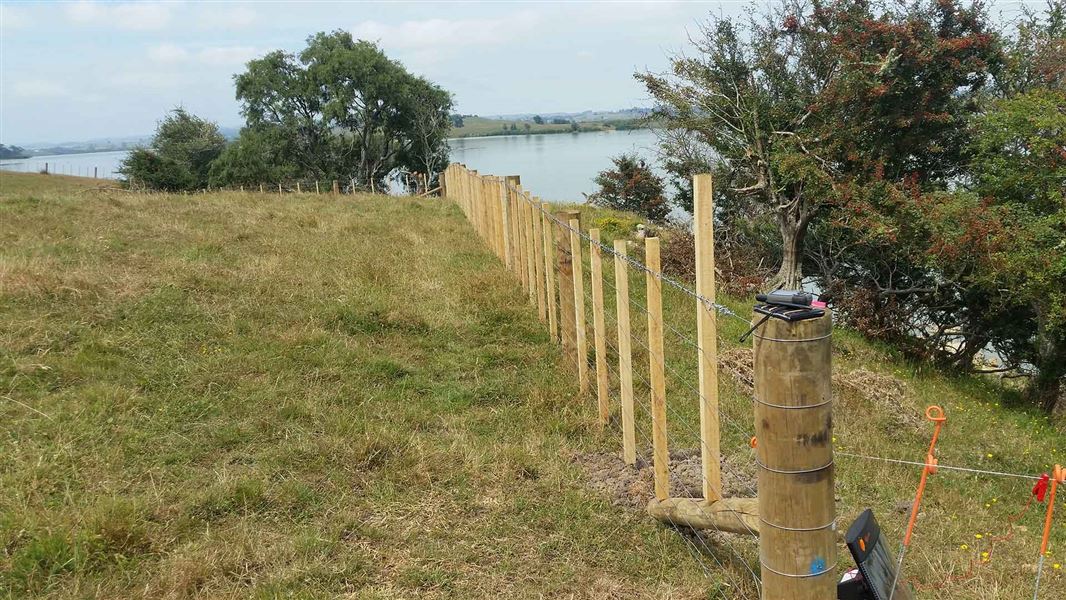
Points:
(617, 227)
(180, 155)
(631, 186)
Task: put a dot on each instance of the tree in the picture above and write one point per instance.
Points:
(796, 102)
(631, 186)
(538, 120)
(457, 121)
(180, 154)
(347, 111)
(527, 127)
(257, 156)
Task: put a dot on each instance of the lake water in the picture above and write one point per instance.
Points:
(555, 167)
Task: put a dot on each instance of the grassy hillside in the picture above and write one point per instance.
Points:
(479, 126)
(243, 395)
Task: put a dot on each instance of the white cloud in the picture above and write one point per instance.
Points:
(13, 18)
(167, 53)
(39, 88)
(227, 55)
(446, 33)
(141, 16)
(227, 18)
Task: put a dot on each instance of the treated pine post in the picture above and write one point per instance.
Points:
(565, 270)
(660, 453)
(516, 238)
(336, 188)
(538, 259)
(599, 326)
(260, 188)
(508, 241)
(317, 189)
(794, 428)
(625, 353)
(521, 227)
(549, 271)
(581, 342)
(297, 187)
(531, 257)
(279, 188)
(707, 337)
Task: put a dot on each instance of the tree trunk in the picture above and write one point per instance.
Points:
(793, 228)
(1046, 387)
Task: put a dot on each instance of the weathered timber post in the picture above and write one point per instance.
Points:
(581, 348)
(336, 188)
(794, 429)
(508, 233)
(565, 270)
(298, 186)
(657, 369)
(260, 188)
(599, 327)
(279, 188)
(318, 190)
(549, 270)
(538, 258)
(707, 336)
(94, 172)
(442, 179)
(625, 353)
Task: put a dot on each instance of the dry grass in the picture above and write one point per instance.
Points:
(241, 395)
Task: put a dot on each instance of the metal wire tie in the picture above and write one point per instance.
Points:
(799, 472)
(829, 401)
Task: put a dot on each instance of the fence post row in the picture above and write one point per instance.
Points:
(794, 513)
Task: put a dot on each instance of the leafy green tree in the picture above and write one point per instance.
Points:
(1019, 168)
(257, 156)
(631, 186)
(457, 121)
(793, 102)
(538, 120)
(348, 111)
(180, 155)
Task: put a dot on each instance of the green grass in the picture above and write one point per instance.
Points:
(242, 395)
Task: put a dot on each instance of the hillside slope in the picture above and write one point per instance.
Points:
(242, 395)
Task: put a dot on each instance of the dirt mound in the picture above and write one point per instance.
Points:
(633, 486)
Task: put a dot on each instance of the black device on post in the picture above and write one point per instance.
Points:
(875, 562)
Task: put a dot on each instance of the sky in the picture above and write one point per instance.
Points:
(74, 71)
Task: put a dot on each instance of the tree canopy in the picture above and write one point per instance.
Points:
(340, 109)
(179, 156)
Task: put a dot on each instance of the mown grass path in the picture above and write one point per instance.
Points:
(243, 395)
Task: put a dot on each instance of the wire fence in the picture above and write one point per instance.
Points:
(531, 240)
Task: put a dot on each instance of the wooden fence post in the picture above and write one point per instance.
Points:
(565, 270)
(531, 245)
(794, 427)
(538, 258)
(625, 353)
(260, 188)
(580, 340)
(297, 186)
(279, 188)
(442, 179)
(317, 189)
(707, 336)
(549, 270)
(660, 452)
(508, 236)
(599, 326)
(336, 188)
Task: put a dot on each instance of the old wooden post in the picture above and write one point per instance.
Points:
(538, 259)
(794, 428)
(565, 271)
(549, 271)
(531, 245)
(279, 187)
(336, 188)
(95, 171)
(298, 186)
(599, 326)
(442, 181)
(625, 353)
(508, 230)
(318, 190)
(707, 336)
(580, 341)
(657, 365)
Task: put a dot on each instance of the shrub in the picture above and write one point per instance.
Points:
(631, 186)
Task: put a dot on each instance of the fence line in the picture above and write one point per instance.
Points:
(542, 245)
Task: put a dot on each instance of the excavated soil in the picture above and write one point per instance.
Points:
(632, 486)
